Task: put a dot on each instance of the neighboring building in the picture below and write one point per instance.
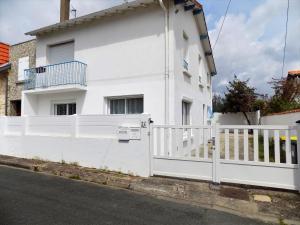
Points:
(22, 56)
(138, 57)
(4, 68)
(293, 74)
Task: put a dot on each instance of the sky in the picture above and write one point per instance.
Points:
(250, 44)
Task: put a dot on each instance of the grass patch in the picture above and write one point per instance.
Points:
(75, 177)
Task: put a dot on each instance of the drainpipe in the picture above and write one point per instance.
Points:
(166, 61)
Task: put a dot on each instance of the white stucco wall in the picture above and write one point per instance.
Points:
(187, 88)
(91, 141)
(125, 55)
(236, 118)
(283, 119)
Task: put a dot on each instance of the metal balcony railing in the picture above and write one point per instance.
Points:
(73, 72)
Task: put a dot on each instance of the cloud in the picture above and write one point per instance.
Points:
(251, 46)
(18, 16)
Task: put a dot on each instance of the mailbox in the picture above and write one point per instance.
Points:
(135, 133)
(129, 133)
(123, 134)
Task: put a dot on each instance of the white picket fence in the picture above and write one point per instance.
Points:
(253, 155)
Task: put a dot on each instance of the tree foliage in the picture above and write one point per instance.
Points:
(286, 97)
(240, 97)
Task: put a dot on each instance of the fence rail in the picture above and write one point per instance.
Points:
(67, 73)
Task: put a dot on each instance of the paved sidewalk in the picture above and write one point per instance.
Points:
(279, 206)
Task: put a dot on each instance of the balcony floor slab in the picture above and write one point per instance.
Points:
(57, 89)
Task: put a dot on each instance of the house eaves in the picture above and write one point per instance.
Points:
(119, 9)
(196, 8)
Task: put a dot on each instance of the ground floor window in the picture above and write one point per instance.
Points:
(126, 105)
(64, 109)
(186, 107)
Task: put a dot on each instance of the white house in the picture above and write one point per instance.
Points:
(145, 56)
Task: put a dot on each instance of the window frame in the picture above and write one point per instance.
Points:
(186, 106)
(21, 74)
(125, 98)
(63, 102)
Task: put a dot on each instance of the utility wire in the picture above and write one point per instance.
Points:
(222, 24)
(285, 37)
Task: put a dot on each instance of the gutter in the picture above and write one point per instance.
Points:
(167, 56)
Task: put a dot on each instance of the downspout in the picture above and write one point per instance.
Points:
(166, 61)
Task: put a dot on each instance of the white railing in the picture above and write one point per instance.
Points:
(256, 155)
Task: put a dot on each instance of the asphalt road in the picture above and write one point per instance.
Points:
(33, 198)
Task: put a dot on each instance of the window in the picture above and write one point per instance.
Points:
(60, 53)
(65, 109)
(126, 106)
(200, 69)
(186, 106)
(23, 64)
(203, 114)
(208, 80)
(185, 51)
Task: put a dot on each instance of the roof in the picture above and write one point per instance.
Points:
(294, 73)
(194, 5)
(5, 67)
(92, 16)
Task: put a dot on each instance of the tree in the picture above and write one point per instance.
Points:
(286, 97)
(240, 98)
(218, 103)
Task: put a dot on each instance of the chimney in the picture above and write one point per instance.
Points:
(64, 10)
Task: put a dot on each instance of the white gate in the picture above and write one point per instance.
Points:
(253, 155)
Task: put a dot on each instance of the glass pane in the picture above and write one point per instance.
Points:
(72, 109)
(117, 106)
(61, 109)
(135, 105)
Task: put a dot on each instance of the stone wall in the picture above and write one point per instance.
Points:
(15, 87)
(2, 93)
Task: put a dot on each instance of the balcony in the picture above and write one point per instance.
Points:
(57, 77)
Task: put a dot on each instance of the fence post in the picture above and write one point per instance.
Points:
(2, 125)
(74, 126)
(216, 154)
(25, 125)
(150, 133)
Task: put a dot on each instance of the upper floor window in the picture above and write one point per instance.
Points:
(59, 53)
(23, 64)
(208, 80)
(200, 71)
(185, 51)
(126, 105)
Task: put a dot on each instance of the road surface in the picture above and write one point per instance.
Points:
(34, 198)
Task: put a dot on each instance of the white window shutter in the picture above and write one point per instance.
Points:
(23, 65)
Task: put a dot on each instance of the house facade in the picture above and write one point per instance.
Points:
(145, 56)
(22, 56)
